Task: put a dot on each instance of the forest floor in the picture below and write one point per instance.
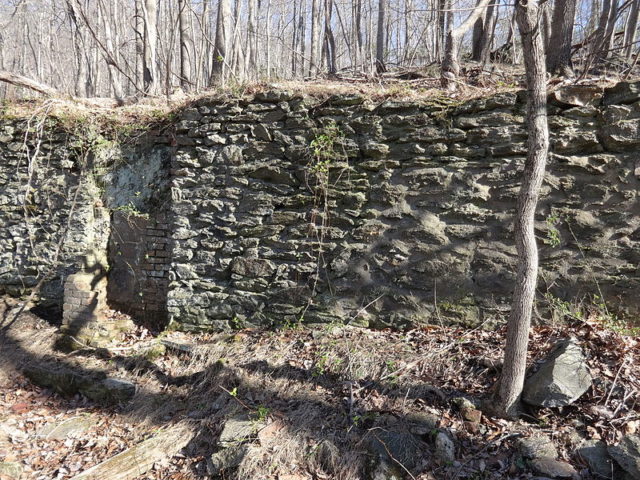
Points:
(304, 387)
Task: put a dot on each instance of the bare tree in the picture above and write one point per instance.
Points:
(223, 30)
(185, 44)
(380, 37)
(313, 47)
(559, 56)
(81, 85)
(601, 45)
(506, 398)
(483, 32)
(450, 62)
(330, 41)
(150, 39)
(631, 29)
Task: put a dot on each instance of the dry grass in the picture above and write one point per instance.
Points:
(338, 385)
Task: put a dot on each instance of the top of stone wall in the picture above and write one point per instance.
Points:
(156, 113)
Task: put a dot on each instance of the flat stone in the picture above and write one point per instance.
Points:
(68, 428)
(537, 446)
(226, 458)
(404, 447)
(445, 448)
(561, 379)
(252, 267)
(595, 453)
(577, 95)
(11, 470)
(237, 429)
(423, 423)
(623, 92)
(553, 468)
(9, 433)
(110, 391)
(67, 381)
(627, 455)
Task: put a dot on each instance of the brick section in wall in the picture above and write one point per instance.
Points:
(138, 258)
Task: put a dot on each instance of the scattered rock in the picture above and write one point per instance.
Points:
(110, 391)
(94, 385)
(237, 429)
(561, 379)
(385, 470)
(139, 459)
(623, 92)
(627, 454)
(553, 468)
(423, 423)
(445, 448)
(401, 446)
(463, 403)
(9, 433)
(67, 428)
(595, 453)
(226, 459)
(537, 446)
(10, 470)
(577, 95)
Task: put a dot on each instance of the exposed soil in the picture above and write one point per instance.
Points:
(337, 383)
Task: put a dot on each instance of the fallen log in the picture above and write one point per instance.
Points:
(139, 459)
(21, 81)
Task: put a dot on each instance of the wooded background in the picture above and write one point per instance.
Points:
(119, 48)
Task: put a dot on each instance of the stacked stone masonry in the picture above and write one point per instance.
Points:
(416, 213)
(284, 208)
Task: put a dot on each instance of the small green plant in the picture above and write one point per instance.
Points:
(237, 323)
(321, 365)
(553, 234)
(361, 419)
(594, 310)
(324, 363)
(323, 148)
(292, 324)
(130, 209)
(262, 413)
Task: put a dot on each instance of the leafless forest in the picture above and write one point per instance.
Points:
(120, 48)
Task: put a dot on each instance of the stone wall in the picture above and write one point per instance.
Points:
(58, 192)
(393, 213)
(51, 214)
(284, 208)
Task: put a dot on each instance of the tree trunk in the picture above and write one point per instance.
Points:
(185, 42)
(313, 47)
(559, 56)
(506, 398)
(604, 33)
(151, 78)
(483, 30)
(223, 28)
(112, 64)
(380, 37)
(441, 33)
(139, 35)
(330, 39)
(631, 29)
(450, 64)
(81, 80)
